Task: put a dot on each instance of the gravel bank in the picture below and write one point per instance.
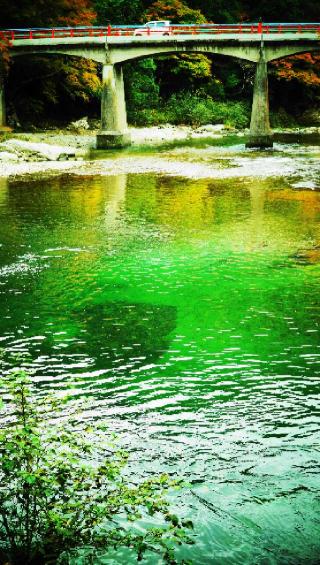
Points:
(52, 152)
(57, 152)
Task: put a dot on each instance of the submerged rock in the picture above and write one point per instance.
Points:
(121, 335)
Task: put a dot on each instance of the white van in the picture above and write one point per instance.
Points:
(154, 29)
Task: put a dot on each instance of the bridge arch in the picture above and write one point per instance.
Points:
(141, 52)
(96, 55)
(272, 54)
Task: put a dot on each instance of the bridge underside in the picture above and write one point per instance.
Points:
(114, 52)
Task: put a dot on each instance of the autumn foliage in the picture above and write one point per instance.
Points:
(63, 85)
(304, 68)
(41, 13)
(174, 11)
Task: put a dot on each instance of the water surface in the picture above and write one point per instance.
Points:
(188, 312)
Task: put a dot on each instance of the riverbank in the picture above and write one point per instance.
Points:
(56, 152)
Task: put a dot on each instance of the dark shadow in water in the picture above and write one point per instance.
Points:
(126, 335)
(308, 256)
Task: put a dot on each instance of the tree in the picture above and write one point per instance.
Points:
(283, 10)
(174, 10)
(179, 71)
(41, 13)
(40, 87)
(142, 89)
(118, 11)
(297, 79)
(220, 11)
(33, 82)
(62, 489)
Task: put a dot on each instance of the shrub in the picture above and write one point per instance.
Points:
(62, 489)
(281, 119)
(195, 110)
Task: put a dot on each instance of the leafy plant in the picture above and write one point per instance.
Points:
(195, 110)
(62, 489)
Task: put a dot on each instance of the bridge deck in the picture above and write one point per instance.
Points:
(187, 38)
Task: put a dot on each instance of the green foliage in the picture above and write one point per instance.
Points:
(118, 11)
(142, 90)
(251, 10)
(40, 13)
(174, 10)
(188, 71)
(282, 119)
(39, 86)
(62, 489)
(219, 10)
(48, 87)
(195, 110)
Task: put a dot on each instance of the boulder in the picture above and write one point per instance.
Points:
(79, 125)
(7, 157)
(215, 128)
(42, 151)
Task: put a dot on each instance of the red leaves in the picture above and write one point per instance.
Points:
(75, 12)
(41, 13)
(304, 68)
(4, 54)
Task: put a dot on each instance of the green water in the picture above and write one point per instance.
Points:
(188, 312)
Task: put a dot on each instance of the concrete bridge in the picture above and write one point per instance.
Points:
(113, 46)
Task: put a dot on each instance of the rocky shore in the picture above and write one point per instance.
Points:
(54, 152)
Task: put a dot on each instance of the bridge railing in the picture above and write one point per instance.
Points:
(174, 29)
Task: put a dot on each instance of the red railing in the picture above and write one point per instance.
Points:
(145, 31)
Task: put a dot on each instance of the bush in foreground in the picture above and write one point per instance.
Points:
(62, 490)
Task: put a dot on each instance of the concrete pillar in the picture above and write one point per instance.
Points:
(114, 128)
(260, 132)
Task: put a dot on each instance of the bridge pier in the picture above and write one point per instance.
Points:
(114, 128)
(260, 132)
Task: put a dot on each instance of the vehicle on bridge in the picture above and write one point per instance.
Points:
(154, 29)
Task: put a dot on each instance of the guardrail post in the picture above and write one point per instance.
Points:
(30, 34)
(260, 132)
(114, 128)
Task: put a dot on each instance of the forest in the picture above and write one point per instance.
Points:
(187, 88)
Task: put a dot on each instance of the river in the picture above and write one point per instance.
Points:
(183, 302)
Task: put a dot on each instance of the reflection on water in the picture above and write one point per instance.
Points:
(188, 312)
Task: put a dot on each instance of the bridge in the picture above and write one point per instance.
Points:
(112, 46)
